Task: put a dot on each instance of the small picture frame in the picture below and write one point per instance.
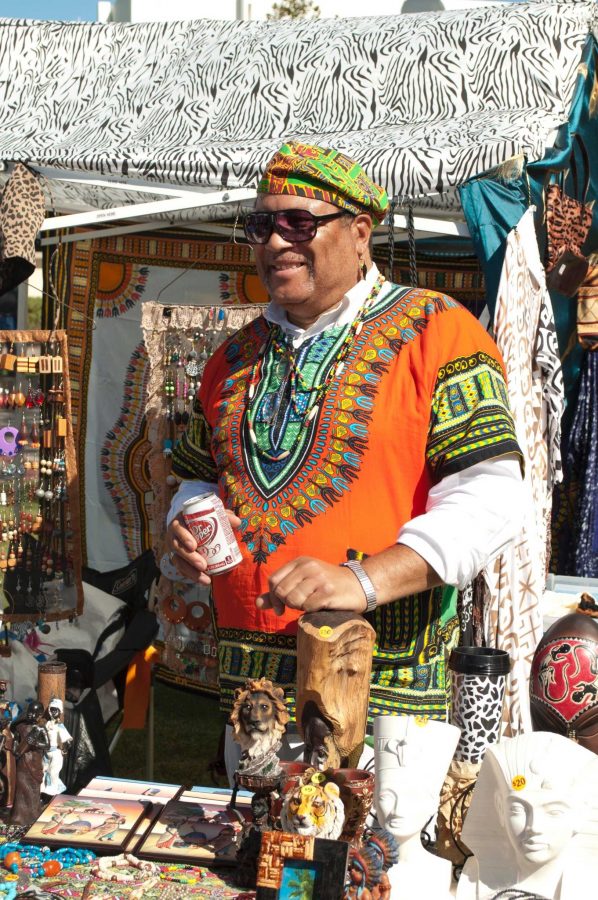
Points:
(292, 865)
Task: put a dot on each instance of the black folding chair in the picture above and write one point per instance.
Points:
(86, 672)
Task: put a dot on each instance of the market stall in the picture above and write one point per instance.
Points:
(464, 118)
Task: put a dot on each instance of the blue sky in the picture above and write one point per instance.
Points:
(67, 10)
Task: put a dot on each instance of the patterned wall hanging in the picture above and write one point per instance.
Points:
(103, 285)
(459, 274)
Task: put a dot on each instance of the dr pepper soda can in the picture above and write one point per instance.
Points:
(207, 521)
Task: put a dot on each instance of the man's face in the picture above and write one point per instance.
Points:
(307, 278)
(317, 740)
(54, 712)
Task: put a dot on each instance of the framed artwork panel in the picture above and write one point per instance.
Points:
(103, 825)
(294, 867)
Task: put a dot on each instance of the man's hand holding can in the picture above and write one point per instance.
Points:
(201, 539)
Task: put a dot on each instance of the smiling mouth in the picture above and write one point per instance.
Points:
(285, 266)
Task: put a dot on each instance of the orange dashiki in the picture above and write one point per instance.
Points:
(422, 395)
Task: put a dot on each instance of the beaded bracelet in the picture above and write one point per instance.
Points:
(174, 874)
(101, 869)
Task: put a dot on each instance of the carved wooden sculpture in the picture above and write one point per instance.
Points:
(334, 662)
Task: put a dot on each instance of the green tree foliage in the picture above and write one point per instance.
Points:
(294, 9)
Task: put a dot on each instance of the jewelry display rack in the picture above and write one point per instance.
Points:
(40, 566)
(179, 341)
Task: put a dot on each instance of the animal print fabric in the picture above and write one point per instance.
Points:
(524, 333)
(568, 222)
(422, 101)
(21, 216)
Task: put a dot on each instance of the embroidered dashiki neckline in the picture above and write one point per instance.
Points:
(293, 386)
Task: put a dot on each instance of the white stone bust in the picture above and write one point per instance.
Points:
(531, 821)
(412, 756)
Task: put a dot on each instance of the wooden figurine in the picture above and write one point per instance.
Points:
(31, 742)
(8, 713)
(334, 662)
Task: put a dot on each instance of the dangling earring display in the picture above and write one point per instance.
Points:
(363, 268)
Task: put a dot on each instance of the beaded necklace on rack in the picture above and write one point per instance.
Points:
(286, 351)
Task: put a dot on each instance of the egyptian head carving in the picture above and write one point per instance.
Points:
(412, 756)
(541, 787)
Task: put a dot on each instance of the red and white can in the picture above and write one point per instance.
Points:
(207, 521)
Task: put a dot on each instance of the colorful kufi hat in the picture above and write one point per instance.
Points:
(305, 170)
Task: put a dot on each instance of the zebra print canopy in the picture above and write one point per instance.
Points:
(422, 101)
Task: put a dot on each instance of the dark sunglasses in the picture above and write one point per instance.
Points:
(293, 225)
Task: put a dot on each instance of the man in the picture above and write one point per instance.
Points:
(356, 420)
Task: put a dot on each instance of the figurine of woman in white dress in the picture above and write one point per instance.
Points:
(60, 741)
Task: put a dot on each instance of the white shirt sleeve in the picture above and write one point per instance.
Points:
(470, 518)
(187, 490)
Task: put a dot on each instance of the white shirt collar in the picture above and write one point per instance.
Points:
(341, 314)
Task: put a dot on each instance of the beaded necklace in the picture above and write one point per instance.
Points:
(296, 379)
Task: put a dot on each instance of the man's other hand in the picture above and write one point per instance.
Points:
(310, 584)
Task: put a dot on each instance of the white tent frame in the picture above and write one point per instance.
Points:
(176, 199)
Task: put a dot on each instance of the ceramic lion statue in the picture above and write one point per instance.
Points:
(313, 807)
(259, 718)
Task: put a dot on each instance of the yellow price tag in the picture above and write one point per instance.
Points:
(325, 631)
(318, 778)
(421, 720)
(307, 790)
(518, 782)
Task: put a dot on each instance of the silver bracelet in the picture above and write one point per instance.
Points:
(366, 583)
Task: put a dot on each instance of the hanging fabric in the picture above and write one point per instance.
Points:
(587, 307)
(568, 221)
(524, 332)
(22, 208)
(582, 476)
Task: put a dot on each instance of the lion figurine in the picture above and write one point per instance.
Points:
(259, 718)
(313, 807)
